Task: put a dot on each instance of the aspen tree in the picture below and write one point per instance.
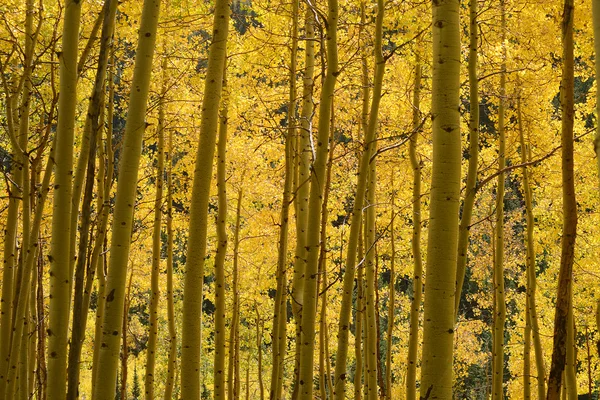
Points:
(392, 299)
(280, 307)
(571, 356)
(156, 240)
(236, 299)
(172, 366)
(124, 204)
(60, 277)
(532, 319)
(325, 386)
(194, 275)
(356, 221)
(16, 113)
(233, 376)
(358, 324)
(93, 116)
(40, 372)
(438, 326)
(499, 295)
(98, 258)
(315, 202)
(125, 351)
(21, 310)
(364, 122)
(22, 187)
(372, 326)
(302, 189)
(371, 344)
(260, 327)
(220, 338)
(565, 278)
(413, 338)
(527, 354)
(469, 200)
(596, 21)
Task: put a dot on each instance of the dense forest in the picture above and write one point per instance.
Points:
(299, 199)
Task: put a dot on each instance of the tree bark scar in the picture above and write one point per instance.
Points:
(429, 389)
(111, 296)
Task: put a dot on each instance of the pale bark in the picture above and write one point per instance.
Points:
(198, 219)
(124, 204)
(469, 200)
(438, 326)
(156, 242)
(60, 260)
(302, 187)
(356, 221)
(532, 317)
(280, 304)
(315, 202)
(96, 104)
(98, 259)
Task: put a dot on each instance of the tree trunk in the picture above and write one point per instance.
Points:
(221, 251)
(415, 307)
(280, 305)
(124, 204)
(467, 209)
(527, 354)
(500, 298)
(60, 277)
(391, 301)
(96, 104)
(172, 366)
(196, 249)
(317, 183)
(530, 264)
(233, 378)
(302, 187)
(563, 297)
(438, 327)
(156, 241)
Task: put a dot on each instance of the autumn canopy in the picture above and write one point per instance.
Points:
(299, 199)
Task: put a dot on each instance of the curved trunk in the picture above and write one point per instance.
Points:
(124, 205)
